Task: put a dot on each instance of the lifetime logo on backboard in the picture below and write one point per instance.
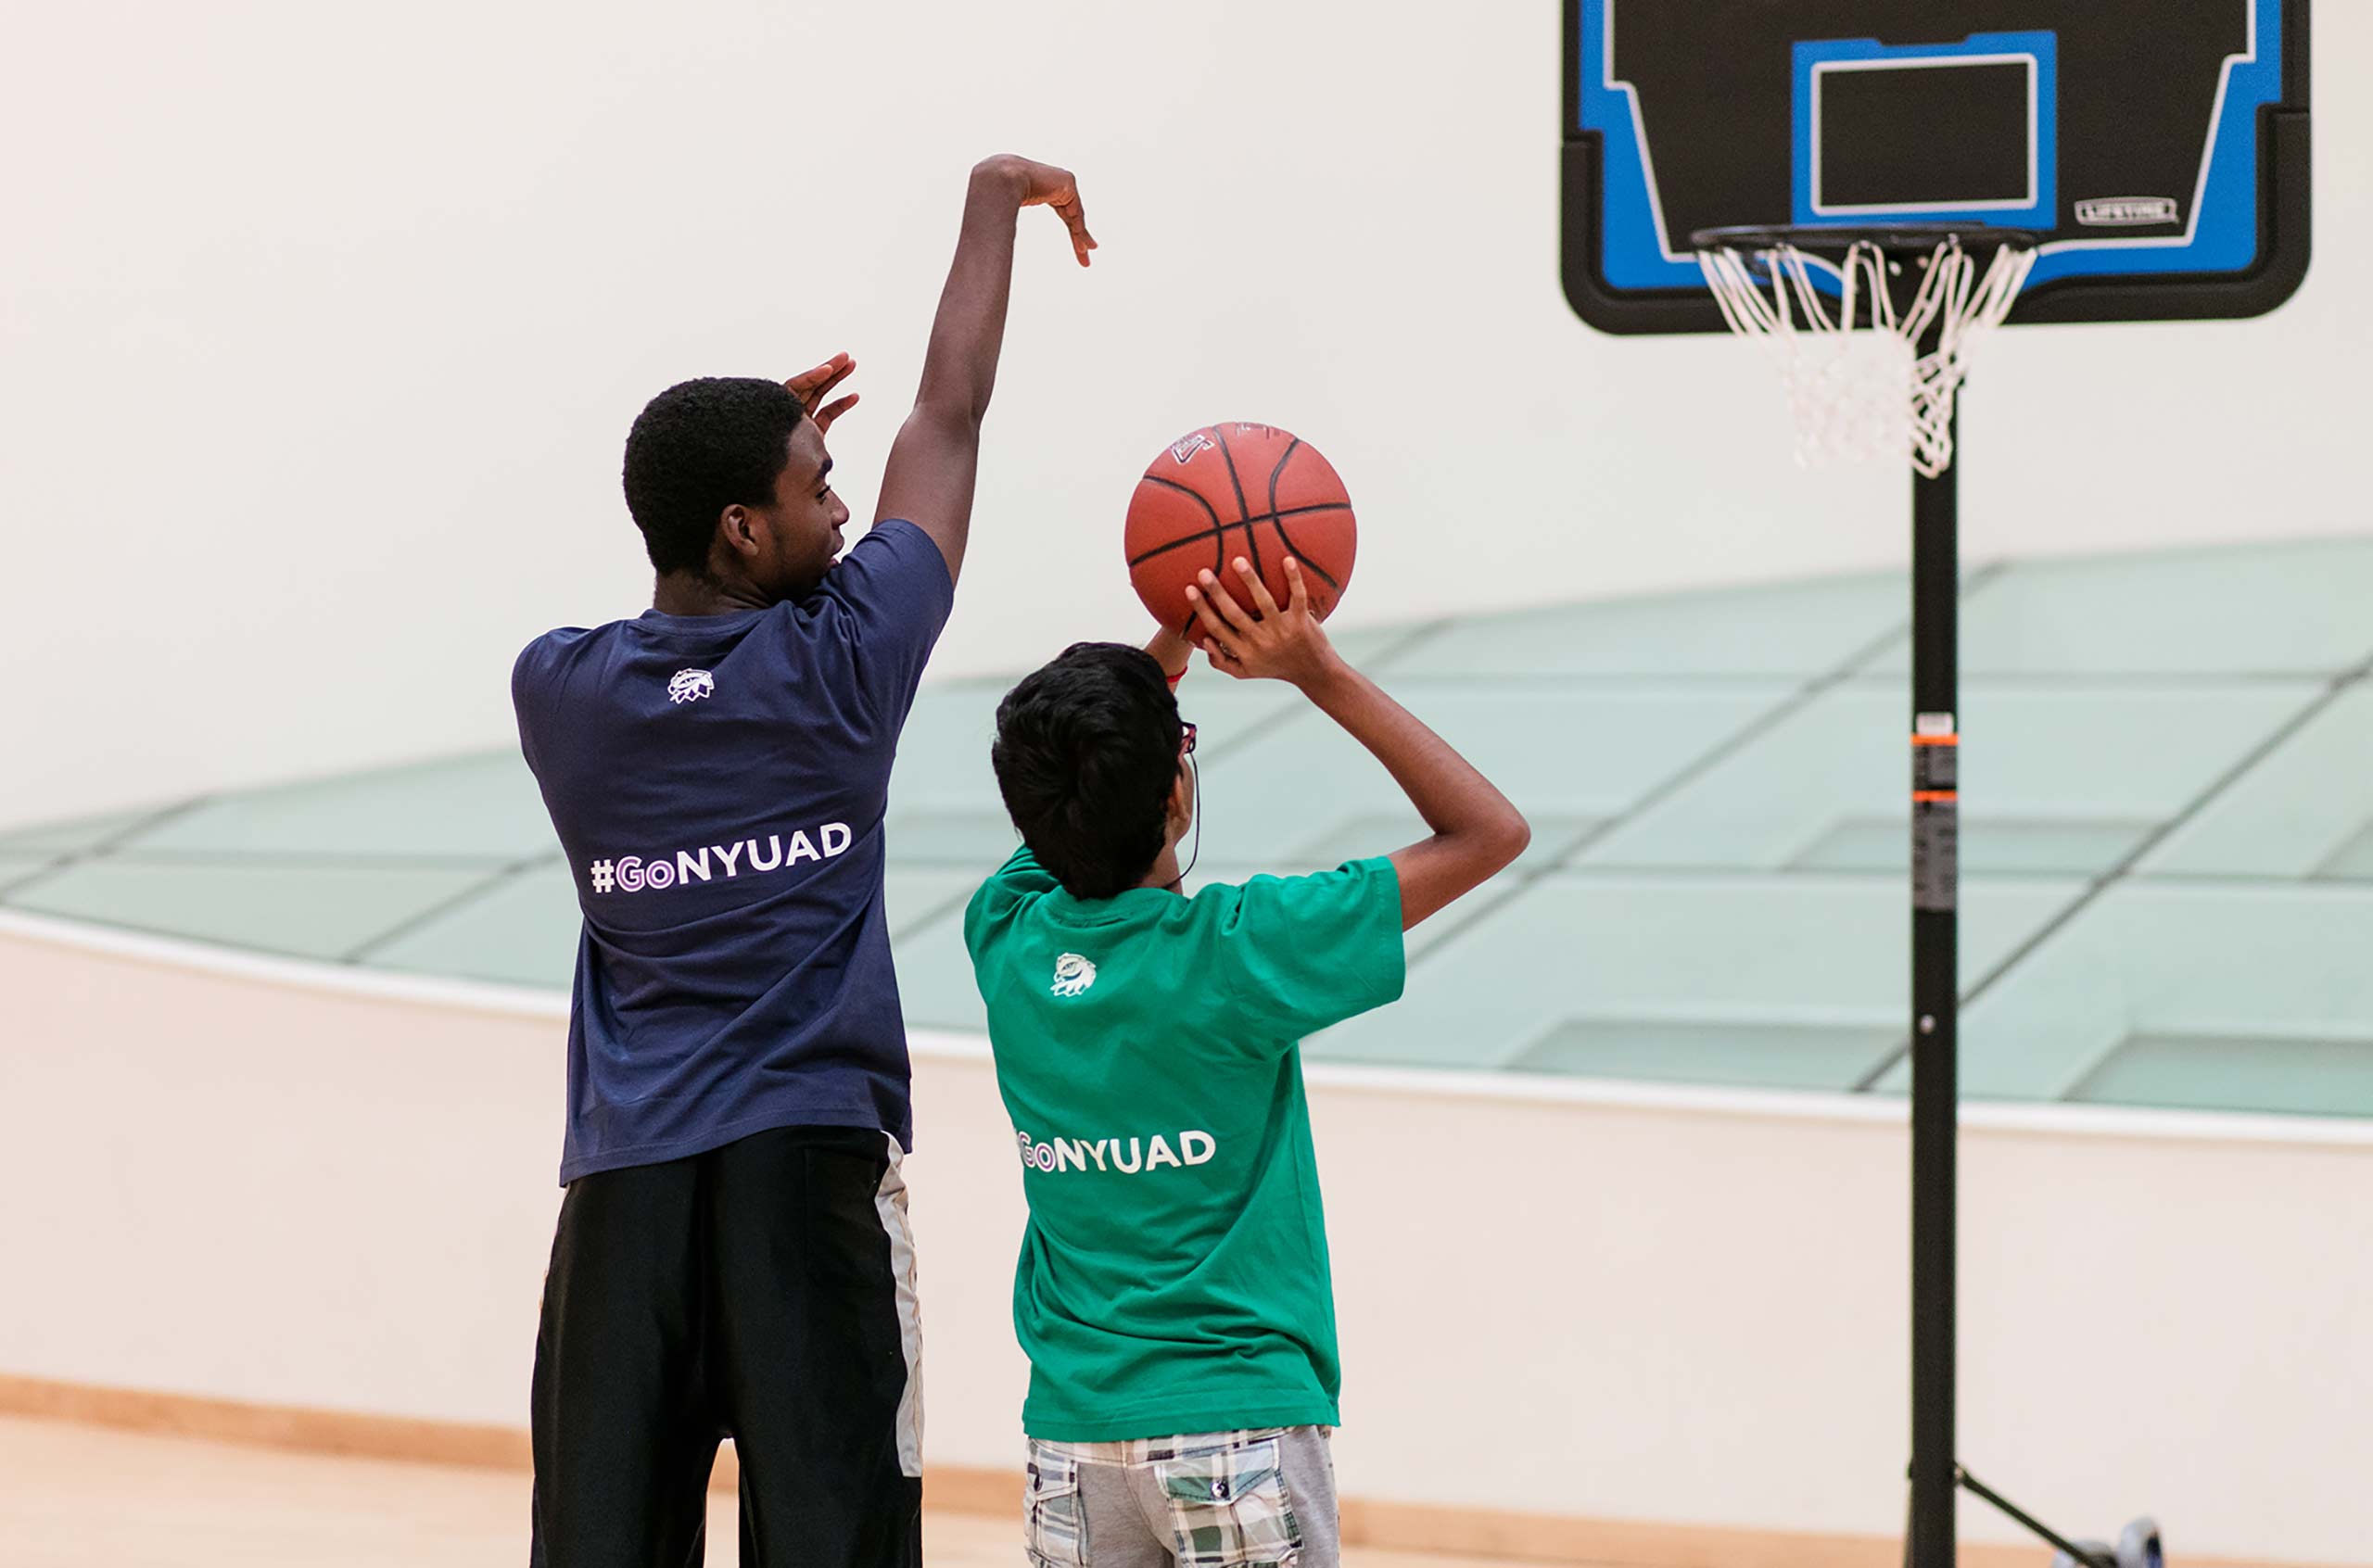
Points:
(2125, 212)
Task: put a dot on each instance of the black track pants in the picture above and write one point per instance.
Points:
(763, 1291)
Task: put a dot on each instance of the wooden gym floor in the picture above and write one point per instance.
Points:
(76, 1496)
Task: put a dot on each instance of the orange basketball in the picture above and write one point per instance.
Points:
(1239, 490)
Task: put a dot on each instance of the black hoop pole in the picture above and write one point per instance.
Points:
(1935, 752)
(1936, 893)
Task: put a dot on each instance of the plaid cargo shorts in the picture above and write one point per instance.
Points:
(1215, 1499)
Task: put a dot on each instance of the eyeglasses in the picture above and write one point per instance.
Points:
(1186, 754)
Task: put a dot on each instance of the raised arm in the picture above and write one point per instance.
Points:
(1476, 832)
(928, 478)
(1172, 652)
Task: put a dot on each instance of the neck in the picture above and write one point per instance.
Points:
(689, 593)
(1165, 870)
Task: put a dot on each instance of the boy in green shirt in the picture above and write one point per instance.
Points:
(1173, 1293)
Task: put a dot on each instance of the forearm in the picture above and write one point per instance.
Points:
(960, 366)
(1455, 800)
(1172, 651)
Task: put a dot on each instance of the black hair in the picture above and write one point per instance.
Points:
(1087, 756)
(700, 446)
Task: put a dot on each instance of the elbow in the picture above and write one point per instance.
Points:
(1003, 174)
(945, 420)
(953, 412)
(1510, 836)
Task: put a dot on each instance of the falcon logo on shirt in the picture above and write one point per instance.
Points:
(1073, 974)
(690, 686)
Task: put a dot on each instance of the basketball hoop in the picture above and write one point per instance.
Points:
(1867, 371)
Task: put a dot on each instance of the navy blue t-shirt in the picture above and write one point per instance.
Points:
(718, 783)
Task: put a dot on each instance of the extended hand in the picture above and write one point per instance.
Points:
(812, 386)
(1042, 185)
(1287, 645)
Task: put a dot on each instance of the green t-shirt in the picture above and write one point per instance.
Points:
(1174, 1273)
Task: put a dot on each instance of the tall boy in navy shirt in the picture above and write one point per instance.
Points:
(732, 1256)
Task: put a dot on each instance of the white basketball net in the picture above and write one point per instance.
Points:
(1846, 361)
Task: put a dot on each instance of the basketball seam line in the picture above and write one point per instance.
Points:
(1293, 444)
(1222, 529)
(1188, 490)
(1218, 530)
(1243, 507)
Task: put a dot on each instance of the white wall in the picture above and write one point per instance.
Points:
(1589, 1300)
(321, 328)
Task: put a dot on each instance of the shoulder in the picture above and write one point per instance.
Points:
(893, 558)
(548, 652)
(1020, 881)
(898, 539)
(562, 641)
(1349, 887)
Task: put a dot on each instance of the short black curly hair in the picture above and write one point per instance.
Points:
(1085, 757)
(700, 446)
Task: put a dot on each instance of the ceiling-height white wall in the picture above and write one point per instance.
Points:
(320, 328)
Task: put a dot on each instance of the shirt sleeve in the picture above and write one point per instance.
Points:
(895, 590)
(1301, 954)
(527, 700)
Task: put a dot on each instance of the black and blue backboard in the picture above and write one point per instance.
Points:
(2160, 145)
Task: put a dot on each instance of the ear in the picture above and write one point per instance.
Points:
(1182, 799)
(737, 527)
